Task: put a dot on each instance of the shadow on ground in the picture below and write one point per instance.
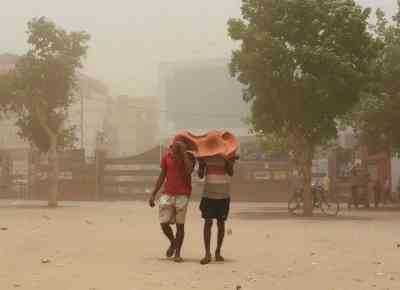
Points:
(280, 213)
(194, 261)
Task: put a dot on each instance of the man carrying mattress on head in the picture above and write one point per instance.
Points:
(176, 169)
(215, 202)
(216, 154)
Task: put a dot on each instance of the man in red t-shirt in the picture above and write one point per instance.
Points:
(176, 170)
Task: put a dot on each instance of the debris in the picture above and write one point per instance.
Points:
(88, 222)
(45, 261)
(46, 217)
(17, 285)
(229, 232)
(238, 287)
(3, 228)
(378, 263)
(398, 245)
(312, 254)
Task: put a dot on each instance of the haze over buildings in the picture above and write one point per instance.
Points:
(174, 51)
(131, 38)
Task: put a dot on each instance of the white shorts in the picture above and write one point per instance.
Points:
(172, 209)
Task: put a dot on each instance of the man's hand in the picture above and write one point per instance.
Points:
(152, 201)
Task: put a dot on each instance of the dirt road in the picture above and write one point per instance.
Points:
(119, 246)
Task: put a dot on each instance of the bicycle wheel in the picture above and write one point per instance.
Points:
(330, 206)
(296, 204)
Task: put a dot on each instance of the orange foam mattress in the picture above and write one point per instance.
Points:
(213, 143)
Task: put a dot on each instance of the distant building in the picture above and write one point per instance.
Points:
(7, 62)
(131, 125)
(200, 96)
(87, 113)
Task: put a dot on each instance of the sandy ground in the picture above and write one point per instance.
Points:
(119, 246)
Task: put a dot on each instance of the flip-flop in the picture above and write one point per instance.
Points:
(206, 260)
(178, 260)
(171, 251)
(219, 258)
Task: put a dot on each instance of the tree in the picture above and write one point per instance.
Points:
(377, 115)
(44, 88)
(303, 64)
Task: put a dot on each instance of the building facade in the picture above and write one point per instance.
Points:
(200, 96)
(87, 113)
(131, 125)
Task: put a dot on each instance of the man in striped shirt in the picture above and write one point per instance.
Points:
(215, 202)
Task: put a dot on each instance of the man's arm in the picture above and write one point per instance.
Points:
(189, 163)
(229, 166)
(202, 169)
(188, 159)
(159, 183)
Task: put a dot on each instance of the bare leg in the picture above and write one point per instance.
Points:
(207, 241)
(167, 230)
(221, 235)
(180, 235)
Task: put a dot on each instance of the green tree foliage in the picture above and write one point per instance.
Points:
(44, 87)
(377, 115)
(46, 83)
(303, 64)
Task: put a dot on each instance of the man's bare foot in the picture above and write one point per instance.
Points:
(206, 260)
(178, 259)
(171, 251)
(219, 258)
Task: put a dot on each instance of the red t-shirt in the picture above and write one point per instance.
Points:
(177, 181)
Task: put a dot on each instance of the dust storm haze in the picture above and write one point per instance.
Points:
(131, 38)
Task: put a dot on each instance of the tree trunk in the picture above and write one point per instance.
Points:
(53, 173)
(307, 194)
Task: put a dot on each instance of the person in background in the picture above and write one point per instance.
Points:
(398, 189)
(215, 202)
(364, 185)
(354, 199)
(176, 169)
(326, 183)
(377, 192)
(387, 194)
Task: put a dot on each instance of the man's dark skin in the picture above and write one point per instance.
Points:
(209, 222)
(179, 153)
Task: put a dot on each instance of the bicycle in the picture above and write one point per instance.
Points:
(328, 204)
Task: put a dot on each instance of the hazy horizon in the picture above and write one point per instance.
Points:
(131, 38)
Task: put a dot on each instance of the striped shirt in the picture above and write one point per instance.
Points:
(217, 181)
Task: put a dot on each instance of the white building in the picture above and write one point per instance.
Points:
(200, 96)
(131, 125)
(87, 113)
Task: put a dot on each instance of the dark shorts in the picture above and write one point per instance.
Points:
(215, 208)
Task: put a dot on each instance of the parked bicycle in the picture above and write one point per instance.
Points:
(327, 203)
